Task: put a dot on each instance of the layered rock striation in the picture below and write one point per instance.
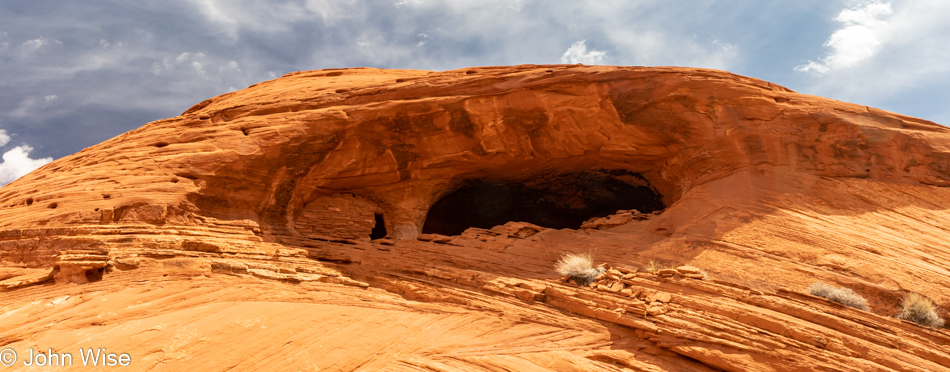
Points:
(418, 199)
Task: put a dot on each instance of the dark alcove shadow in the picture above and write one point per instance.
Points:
(555, 201)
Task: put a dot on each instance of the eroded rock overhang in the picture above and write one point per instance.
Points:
(335, 153)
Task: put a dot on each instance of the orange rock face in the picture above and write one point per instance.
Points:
(366, 219)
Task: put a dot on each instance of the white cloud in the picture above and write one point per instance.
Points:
(198, 67)
(4, 137)
(40, 42)
(857, 40)
(724, 46)
(814, 67)
(462, 6)
(578, 53)
(407, 2)
(214, 12)
(908, 71)
(198, 63)
(184, 57)
(106, 44)
(230, 66)
(232, 16)
(17, 163)
(50, 98)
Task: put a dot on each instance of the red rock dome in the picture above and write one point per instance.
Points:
(456, 191)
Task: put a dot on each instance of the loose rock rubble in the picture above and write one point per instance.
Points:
(622, 217)
(620, 281)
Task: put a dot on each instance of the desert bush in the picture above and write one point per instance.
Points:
(920, 310)
(653, 266)
(844, 296)
(578, 266)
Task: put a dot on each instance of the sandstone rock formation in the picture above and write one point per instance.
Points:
(365, 219)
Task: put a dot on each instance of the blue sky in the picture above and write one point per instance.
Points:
(77, 73)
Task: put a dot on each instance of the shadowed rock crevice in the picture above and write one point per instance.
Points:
(556, 201)
(94, 275)
(379, 231)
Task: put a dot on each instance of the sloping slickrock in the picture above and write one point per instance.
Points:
(402, 220)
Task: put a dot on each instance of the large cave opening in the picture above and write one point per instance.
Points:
(554, 200)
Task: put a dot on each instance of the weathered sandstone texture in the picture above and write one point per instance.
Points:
(400, 220)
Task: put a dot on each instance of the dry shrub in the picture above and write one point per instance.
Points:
(655, 266)
(579, 266)
(844, 296)
(920, 310)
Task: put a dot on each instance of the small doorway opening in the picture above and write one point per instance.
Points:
(379, 231)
